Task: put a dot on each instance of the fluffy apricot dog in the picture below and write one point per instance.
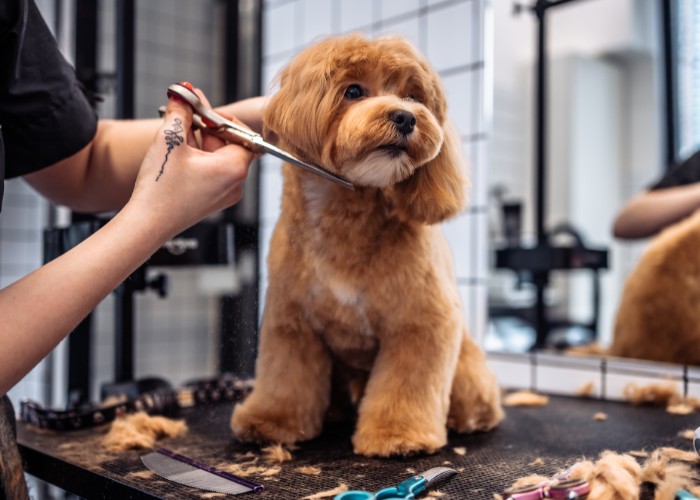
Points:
(659, 313)
(361, 283)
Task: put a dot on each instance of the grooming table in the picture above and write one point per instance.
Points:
(560, 434)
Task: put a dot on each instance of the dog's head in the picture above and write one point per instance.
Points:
(373, 111)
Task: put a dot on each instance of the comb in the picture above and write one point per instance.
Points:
(184, 470)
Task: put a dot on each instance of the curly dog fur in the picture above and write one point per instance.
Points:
(361, 283)
(659, 313)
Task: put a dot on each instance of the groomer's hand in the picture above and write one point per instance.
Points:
(179, 182)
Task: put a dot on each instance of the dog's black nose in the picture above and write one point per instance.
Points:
(404, 121)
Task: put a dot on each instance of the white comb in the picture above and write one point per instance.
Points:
(183, 470)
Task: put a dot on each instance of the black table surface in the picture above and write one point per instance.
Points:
(559, 434)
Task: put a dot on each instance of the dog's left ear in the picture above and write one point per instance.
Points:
(437, 190)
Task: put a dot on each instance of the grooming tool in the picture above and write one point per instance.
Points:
(404, 490)
(164, 401)
(213, 123)
(684, 495)
(183, 470)
(562, 488)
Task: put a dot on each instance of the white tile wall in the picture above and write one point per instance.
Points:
(392, 8)
(448, 32)
(449, 36)
(356, 14)
(408, 28)
(316, 19)
(567, 375)
(279, 31)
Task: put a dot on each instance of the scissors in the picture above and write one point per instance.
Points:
(404, 490)
(210, 121)
(567, 489)
(684, 495)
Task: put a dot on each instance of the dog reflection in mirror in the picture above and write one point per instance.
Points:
(362, 290)
(658, 317)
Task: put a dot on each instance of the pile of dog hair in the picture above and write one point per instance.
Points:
(525, 398)
(617, 476)
(140, 430)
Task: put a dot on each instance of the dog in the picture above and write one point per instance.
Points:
(658, 317)
(361, 283)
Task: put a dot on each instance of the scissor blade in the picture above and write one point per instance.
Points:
(436, 474)
(283, 155)
(248, 137)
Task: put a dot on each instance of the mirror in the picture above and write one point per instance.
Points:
(604, 143)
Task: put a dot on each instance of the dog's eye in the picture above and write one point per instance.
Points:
(354, 91)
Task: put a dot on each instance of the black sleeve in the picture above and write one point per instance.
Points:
(687, 172)
(45, 115)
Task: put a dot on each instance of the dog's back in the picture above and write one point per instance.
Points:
(659, 314)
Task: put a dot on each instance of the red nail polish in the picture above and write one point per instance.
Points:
(187, 85)
(174, 96)
(209, 123)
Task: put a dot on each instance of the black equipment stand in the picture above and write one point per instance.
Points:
(537, 263)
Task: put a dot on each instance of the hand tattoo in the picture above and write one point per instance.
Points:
(173, 138)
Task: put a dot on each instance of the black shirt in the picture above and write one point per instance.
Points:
(44, 114)
(686, 172)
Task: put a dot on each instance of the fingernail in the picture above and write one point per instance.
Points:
(187, 85)
(175, 97)
(209, 123)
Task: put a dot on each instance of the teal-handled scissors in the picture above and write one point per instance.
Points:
(407, 489)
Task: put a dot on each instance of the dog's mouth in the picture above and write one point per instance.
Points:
(393, 149)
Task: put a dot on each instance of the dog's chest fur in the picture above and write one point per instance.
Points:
(348, 242)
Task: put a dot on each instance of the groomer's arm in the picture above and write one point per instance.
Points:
(101, 176)
(177, 186)
(651, 211)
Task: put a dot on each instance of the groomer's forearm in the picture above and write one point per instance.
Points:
(101, 176)
(39, 310)
(249, 111)
(650, 212)
(117, 152)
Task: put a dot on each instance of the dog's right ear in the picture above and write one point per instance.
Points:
(270, 114)
(292, 116)
(270, 135)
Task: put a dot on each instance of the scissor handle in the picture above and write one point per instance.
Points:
(391, 493)
(355, 495)
(213, 123)
(569, 488)
(406, 490)
(533, 491)
(394, 493)
(684, 495)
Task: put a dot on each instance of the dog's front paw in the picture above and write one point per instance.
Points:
(470, 412)
(485, 419)
(251, 423)
(386, 442)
